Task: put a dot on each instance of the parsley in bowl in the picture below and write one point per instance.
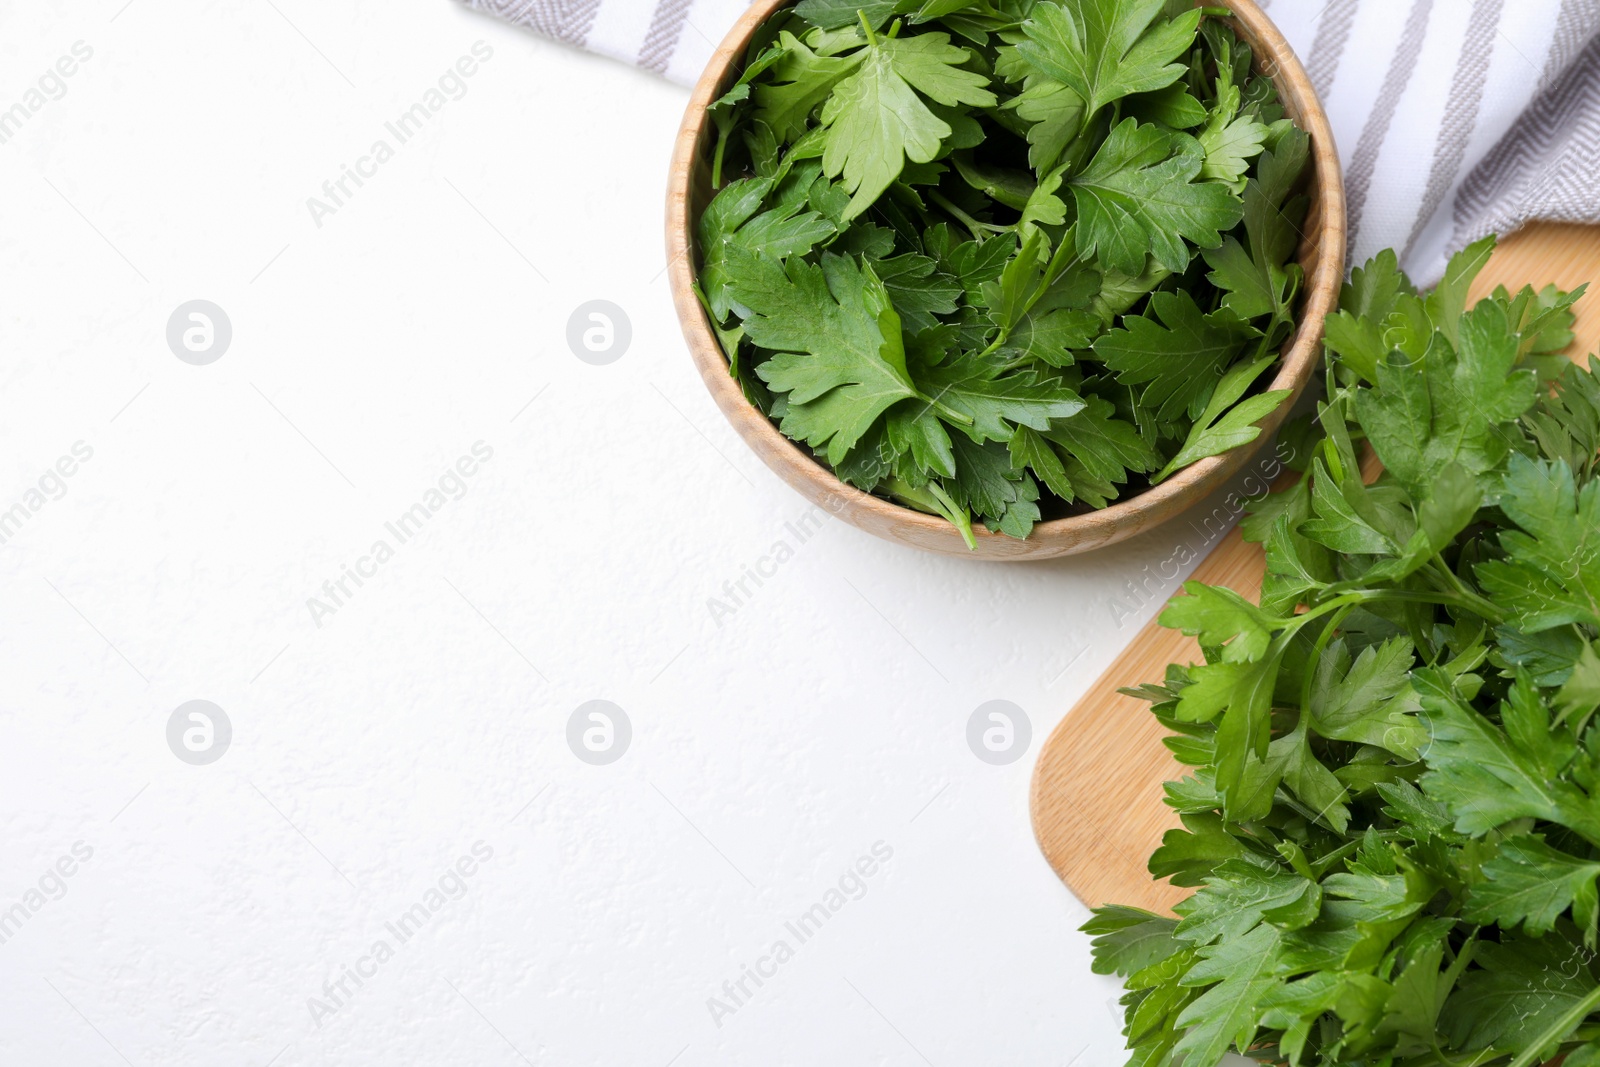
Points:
(1020, 278)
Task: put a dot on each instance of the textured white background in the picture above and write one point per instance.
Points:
(369, 753)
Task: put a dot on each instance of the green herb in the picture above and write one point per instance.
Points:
(1392, 817)
(1003, 260)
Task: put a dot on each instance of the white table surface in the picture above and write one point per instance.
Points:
(375, 745)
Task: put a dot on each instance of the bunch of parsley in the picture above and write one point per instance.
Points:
(1393, 817)
(1009, 277)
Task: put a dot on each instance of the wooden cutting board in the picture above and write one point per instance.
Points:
(1096, 797)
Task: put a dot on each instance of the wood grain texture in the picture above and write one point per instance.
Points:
(1096, 794)
(1321, 255)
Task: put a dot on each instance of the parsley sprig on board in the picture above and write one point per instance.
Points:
(1003, 260)
(1392, 818)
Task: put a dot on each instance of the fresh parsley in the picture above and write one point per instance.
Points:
(1392, 813)
(1003, 260)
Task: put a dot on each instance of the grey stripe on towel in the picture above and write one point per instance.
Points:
(1460, 110)
(1333, 30)
(565, 20)
(1496, 172)
(1548, 166)
(1574, 26)
(666, 26)
(1376, 131)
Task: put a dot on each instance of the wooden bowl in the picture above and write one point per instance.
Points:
(1321, 255)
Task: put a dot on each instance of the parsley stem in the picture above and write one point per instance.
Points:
(1266, 335)
(973, 226)
(1558, 1029)
(1470, 601)
(935, 501)
(872, 38)
(716, 158)
(1474, 601)
(950, 413)
(1315, 659)
(1361, 596)
(956, 514)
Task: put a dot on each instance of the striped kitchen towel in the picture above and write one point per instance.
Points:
(1454, 118)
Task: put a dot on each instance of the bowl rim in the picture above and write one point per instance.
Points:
(1299, 357)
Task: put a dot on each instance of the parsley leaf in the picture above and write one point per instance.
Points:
(839, 353)
(1530, 884)
(1105, 49)
(1230, 141)
(877, 120)
(1551, 574)
(1138, 196)
(800, 81)
(994, 403)
(730, 231)
(1224, 424)
(1175, 351)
